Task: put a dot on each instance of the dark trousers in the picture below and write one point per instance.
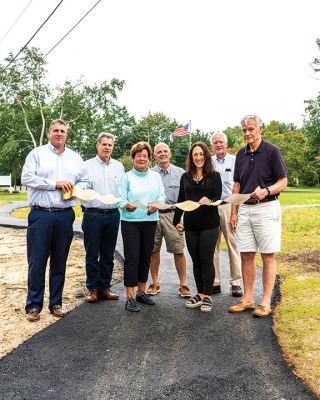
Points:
(49, 234)
(201, 245)
(100, 239)
(138, 240)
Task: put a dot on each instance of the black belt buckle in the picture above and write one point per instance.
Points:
(252, 202)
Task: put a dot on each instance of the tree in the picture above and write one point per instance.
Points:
(23, 103)
(295, 148)
(316, 62)
(28, 104)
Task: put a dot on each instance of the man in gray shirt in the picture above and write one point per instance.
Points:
(170, 175)
(224, 164)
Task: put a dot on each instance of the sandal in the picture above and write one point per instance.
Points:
(194, 302)
(206, 305)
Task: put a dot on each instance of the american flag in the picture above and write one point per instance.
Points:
(181, 130)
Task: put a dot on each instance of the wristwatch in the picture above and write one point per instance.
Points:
(268, 190)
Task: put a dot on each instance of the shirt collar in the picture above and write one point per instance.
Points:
(164, 171)
(102, 162)
(220, 160)
(54, 150)
(138, 173)
(259, 149)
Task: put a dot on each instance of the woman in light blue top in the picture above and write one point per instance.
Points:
(138, 225)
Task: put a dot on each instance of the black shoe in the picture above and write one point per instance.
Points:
(145, 299)
(236, 291)
(131, 305)
(216, 289)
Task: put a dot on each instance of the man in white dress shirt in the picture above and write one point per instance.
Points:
(48, 171)
(224, 164)
(100, 222)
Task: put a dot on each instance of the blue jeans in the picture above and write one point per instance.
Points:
(100, 239)
(48, 234)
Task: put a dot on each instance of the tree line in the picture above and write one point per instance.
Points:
(28, 104)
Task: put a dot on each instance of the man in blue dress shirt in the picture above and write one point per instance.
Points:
(100, 223)
(48, 171)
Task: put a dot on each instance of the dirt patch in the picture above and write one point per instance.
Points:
(14, 328)
(309, 259)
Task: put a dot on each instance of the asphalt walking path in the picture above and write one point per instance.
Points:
(101, 351)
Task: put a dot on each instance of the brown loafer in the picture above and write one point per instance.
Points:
(262, 310)
(92, 296)
(57, 311)
(33, 315)
(242, 306)
(108, 295)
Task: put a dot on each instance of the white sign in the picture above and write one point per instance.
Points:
(5, 180)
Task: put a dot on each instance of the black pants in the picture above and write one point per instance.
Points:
(138, 240)
(201, 245)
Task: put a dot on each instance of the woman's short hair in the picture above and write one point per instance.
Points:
(138, 147)
(208, 167)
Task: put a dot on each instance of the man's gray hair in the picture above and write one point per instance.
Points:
(254, 117)
(160, 144)
(106, 135)
(219, 134)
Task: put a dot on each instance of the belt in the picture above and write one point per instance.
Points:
(165, 211)
(265, 200)
(101, 210)
(51, 209)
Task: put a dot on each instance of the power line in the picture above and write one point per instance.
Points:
(14, 58)
(15, 22)
(71, 29)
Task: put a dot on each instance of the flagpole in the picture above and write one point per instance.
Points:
(189, 134)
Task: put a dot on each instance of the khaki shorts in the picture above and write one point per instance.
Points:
(259, 227)
(166, 230)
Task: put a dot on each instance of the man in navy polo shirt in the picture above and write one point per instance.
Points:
(259, 170)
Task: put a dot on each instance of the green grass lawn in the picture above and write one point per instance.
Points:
(297, 317)
(13, 196)
(299, 197)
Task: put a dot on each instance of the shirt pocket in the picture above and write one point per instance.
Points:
(174, 183)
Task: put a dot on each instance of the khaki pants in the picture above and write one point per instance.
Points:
(234, 256)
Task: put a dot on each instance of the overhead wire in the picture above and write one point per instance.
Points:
(71, 29)
(15, 22)
(21, 50)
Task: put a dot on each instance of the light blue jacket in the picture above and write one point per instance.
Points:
(144, 186)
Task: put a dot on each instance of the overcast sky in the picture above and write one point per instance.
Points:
(207, 61)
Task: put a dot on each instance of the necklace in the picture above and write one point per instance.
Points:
(197, 178)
